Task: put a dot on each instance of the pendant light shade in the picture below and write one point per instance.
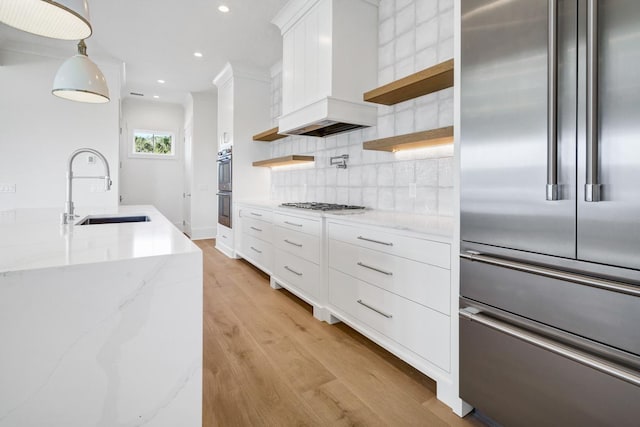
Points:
(61, 19)
(79, 79)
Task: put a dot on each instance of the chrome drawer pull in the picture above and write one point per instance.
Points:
(257, 229)
(255, 214)
(256, 250)
(292, 243)
(375, 241)
(293, 271)
(382, 313)
(388, 273)
(293, 223)
(549, 345)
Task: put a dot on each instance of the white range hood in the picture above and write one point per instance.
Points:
(330, 58)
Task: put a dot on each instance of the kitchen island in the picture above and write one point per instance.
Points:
(99, 324)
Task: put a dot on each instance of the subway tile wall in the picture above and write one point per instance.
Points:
(412, 35)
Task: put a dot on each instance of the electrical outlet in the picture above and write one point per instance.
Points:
(412, 190)
(91, 160)
(7, 188)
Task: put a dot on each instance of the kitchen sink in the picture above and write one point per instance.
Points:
(96, 219)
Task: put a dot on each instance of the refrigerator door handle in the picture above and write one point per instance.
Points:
(592, 189)
(552, 346)
(552, 100)
(593, 282)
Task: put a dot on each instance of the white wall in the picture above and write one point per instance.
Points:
(38, 132)
(158, 182)
(201, 112)
(412, 35)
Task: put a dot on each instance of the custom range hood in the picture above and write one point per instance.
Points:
(330, 58)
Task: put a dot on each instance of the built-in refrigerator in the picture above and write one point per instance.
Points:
(550, 211)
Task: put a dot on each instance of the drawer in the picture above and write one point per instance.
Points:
(423, 283)
(428, 251)
(256, 213)
(418, 328)
(302, 274)
(258, 252)
(297, 243)
(304, 225)
(256, 228)
(225, 235)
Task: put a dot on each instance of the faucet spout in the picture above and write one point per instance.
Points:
(69, 212)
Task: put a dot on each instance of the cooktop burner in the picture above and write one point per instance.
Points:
(321, 206)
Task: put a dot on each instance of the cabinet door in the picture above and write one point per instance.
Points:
(503, 134)
(609, 230)
(225, 113)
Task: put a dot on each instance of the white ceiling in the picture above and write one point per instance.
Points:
(156, 39)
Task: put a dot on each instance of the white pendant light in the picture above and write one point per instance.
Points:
(60, 19)
(79, 79)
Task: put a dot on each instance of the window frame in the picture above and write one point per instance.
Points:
(135, 155)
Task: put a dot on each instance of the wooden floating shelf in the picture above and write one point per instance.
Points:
(269, 135)
(286, 160)
(423, 139)
(423, 82)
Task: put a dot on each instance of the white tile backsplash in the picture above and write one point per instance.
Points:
(412, 35)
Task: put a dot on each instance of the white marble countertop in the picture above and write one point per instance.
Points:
(34, 238)
(433, 225)
(440, 226)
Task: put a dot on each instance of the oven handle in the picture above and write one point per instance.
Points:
(224, 194)
(549, 345)
(593, 282)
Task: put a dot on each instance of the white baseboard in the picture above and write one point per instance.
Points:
(202, 233)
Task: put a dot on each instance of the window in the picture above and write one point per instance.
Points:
(150, 143)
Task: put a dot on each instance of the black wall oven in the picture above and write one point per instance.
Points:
(224, 187)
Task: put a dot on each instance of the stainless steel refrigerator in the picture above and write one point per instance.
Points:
(550, 211)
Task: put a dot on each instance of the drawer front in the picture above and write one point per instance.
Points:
(427, 251)
(418, 328)
(225, 235)
(256, 213)
(422, 283)
(298, 243)
(258, 252)
(298, 272)
(256, 228)
(296, 223)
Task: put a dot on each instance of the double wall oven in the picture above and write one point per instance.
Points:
(225, 187)
(550, 211)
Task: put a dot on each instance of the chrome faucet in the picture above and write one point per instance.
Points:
(69, 214)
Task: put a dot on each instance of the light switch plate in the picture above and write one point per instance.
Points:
(7, 188)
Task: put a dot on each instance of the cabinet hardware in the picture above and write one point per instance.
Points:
(293, 271)
(388, 273)
(256, 250)
(256, 229)
(382, 313)
(375, 241)
(255, 214)
(292, 243)
(293, 223)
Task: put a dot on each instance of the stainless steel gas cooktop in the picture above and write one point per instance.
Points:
(321, 206)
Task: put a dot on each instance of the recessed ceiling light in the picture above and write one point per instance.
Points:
(224, 9)
(156, 96)
(197, 54)
(161, 81)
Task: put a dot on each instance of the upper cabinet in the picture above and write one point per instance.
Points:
(330, 57)
(224, 81)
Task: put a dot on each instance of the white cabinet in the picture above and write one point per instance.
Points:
(396, 289)
(256, 237)
(225, 114)
(298, 265)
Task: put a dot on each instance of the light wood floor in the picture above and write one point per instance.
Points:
(267, 361)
